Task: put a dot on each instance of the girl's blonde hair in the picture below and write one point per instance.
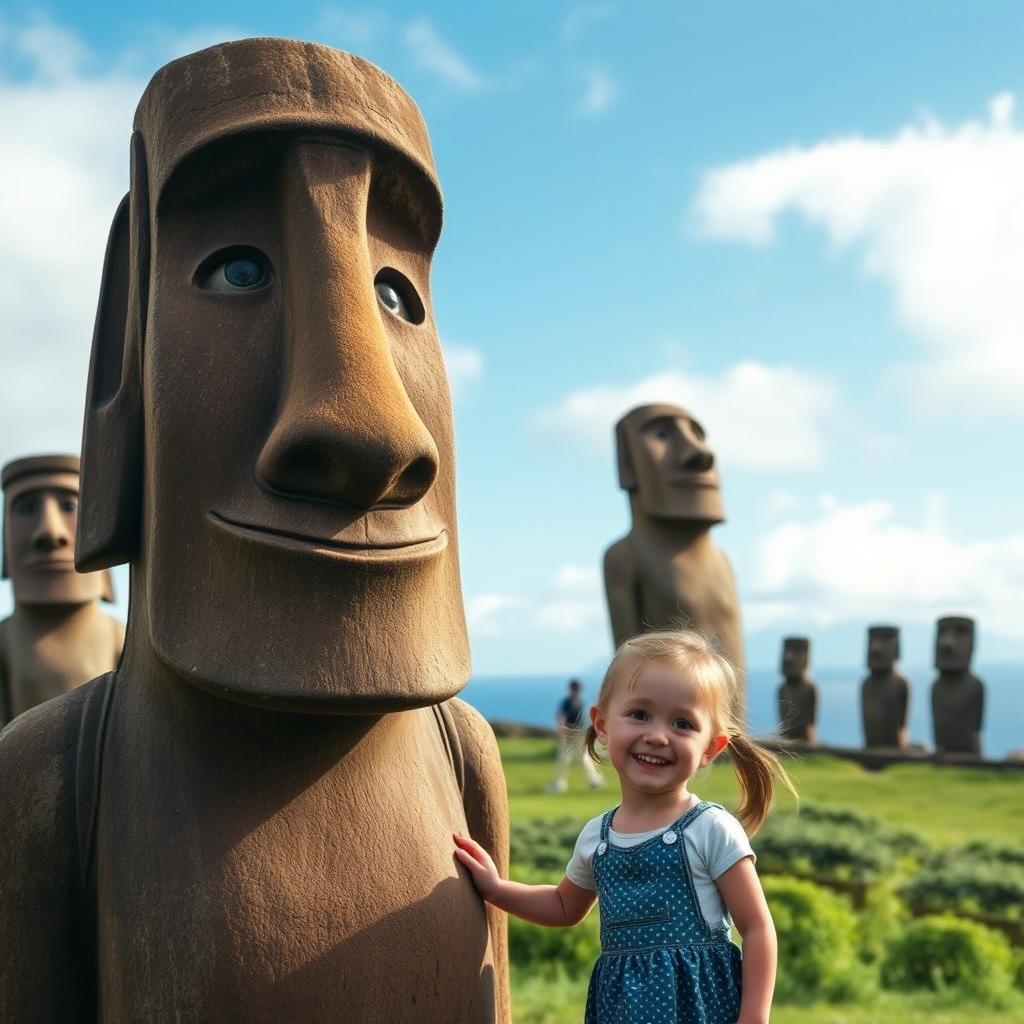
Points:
(718, 686)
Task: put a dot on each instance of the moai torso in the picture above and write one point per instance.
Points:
(884, 702)
(48, 651)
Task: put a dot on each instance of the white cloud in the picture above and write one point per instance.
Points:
(756, 416)
(432, 52)
(937, 213)
(577, 577)
(856, 562)
(465, 367)
(66, 135)
(599, 93)
(582, 17)
(486, 614)
(568, 615)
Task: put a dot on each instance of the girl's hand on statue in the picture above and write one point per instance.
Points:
(477, 861)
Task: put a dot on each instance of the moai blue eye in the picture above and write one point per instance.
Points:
(244, 273)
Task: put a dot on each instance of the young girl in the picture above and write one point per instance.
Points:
(668, 868)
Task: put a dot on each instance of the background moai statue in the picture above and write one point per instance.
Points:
(666, 571)
(57, 637)
(798, 695)
(884, 694)
(958, 696)
(251, 819)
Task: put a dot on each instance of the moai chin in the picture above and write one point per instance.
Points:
(57, 637)
(885, 693)
(666, 571)
(798, 695)
(251, 818)
(958, 696)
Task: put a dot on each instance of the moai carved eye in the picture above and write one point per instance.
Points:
(398, 296)
(241, 269)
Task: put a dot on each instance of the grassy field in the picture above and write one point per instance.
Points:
(945, 806)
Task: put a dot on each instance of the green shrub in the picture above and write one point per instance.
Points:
(967, 886)
(947, 953)
(878, 921)
(817, 934)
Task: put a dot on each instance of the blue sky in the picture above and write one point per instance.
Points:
(804, 220)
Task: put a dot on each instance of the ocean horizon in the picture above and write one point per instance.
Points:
(532, 700)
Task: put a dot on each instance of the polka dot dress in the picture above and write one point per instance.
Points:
(660, 961)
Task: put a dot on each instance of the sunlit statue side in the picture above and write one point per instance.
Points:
(958, 696)
(57, 637)
(666, 570)
(251, 819)
(798, 695)
(885, 693)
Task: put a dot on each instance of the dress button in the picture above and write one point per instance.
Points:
(669, 837)
(601, 847)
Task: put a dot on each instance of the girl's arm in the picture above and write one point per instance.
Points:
(741, 890)
(554, 905)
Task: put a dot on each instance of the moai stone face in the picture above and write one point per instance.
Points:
(665, 459)
(290, 338)
(40, 515)
(883, 648)
(796, 654)
(954, 643)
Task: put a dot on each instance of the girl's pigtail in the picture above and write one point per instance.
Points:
(756, 770)
(590, 742)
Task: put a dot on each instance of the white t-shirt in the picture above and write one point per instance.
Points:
(713, 842)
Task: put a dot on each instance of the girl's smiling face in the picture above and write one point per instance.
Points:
(658, 731)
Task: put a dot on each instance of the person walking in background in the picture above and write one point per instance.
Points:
(569, 720)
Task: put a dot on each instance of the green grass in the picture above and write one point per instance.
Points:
(946, 806)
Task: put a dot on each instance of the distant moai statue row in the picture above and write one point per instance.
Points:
(885, 693)
(57, 637)
(666, 570)
(958, 696)
(798, 694)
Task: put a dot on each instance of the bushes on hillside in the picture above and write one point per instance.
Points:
(968, 887)
(944, 952)
(817, 934)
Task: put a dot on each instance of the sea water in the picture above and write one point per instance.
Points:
(533, 700)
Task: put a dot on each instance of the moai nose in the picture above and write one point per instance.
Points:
(346, 430)
(51, 532)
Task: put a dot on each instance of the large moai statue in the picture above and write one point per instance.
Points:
(958, 696)
(251, 818)
(57, 637)
(884, 694)
(666, 570)
(798, 695)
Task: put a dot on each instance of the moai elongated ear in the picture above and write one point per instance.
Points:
(110, 499)
(627, 478)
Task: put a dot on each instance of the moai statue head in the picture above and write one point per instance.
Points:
(883, 648)
(666, 465)
(796, 656)
(268, 433)
(954, 643)
(40, 513)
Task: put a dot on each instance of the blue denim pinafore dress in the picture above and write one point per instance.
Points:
(660, 961)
